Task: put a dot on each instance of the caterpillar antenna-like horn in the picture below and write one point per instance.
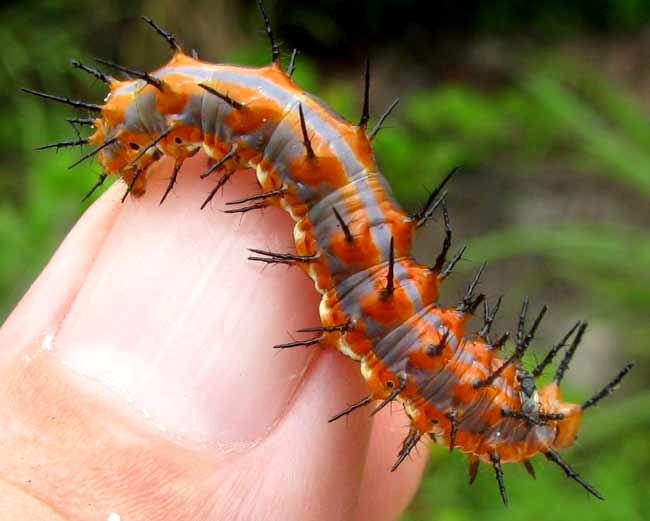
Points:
(305, 136)
(446, 244)
(74, 103)
(529, 468)
(608, 389)
(500, 342)
(346, 229)
(468, 300)
(539, 369)
(275, 48)
(246, 209)
(150, 145)
(233, 103)
(452, 264)
(145, 76)
(451, 416)
(292, 62)
(299, 343)
(436, 349)
(228, 155)
(100, 182)
(169, 37)
(264, 195)
(131, 184)
(224, 179)
(361, 403)
(325, 329)
(553, 456)
(382, 118)
(498, 472)
(93, 152)
(489, 316)
(365, 113)
(408, 445)
(568, 355)
(97, 74)
(522, 344)
(427, 210)
(172, 181)
(390, 277)
(81, 121)
(473, 469)
(64, 144)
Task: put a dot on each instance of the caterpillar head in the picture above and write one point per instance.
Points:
(136, 139)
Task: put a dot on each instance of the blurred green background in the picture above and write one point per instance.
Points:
(543, 105)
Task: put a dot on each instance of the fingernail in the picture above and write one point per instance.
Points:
(174, 319)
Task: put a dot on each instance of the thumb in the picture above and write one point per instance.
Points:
(148, 339)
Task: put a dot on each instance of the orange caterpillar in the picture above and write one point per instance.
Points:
(378, 305)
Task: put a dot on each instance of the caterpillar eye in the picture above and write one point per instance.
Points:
(134, 146)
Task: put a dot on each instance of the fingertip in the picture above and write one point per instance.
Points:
(384, 494)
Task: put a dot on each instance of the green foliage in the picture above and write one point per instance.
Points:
(39, 198)
(609, 263)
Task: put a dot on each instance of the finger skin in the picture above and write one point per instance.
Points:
(42, 308)
(159, 396)
(385, 494)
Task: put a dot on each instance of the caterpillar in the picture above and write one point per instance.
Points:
(378, 305)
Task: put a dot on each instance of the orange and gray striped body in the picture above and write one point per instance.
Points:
(388, 334)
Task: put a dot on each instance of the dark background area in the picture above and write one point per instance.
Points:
(544, 106)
